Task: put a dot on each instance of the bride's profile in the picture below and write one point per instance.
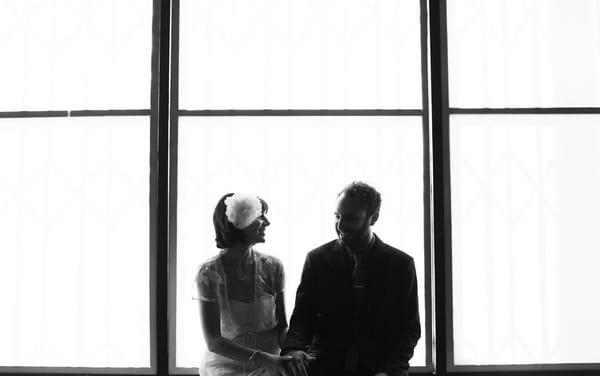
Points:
(240, 292)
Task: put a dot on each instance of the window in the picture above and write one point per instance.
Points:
(523, 214)
(276, 156)
(292, 101)
(74, 182)
(523, 77)
(122, 122)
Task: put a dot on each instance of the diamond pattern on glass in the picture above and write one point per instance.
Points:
(71, 54)
(298, 165)
(524, 53)
(283, 54)
(524, 204)
(74, 219)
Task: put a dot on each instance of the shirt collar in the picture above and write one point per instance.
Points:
(338, 247)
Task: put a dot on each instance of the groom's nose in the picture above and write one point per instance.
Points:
(340, 225)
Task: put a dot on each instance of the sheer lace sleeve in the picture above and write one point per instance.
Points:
(206, 282)
(278, 277)
(271, 271)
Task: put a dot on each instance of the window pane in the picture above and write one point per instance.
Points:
(74, 265)
(524, 53)
(300, 54)
(64, 55)
(525, 203)
(298, 165)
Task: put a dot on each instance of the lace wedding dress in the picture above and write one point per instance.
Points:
(251, 324)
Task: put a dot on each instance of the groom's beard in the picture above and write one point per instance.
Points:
(349, 239)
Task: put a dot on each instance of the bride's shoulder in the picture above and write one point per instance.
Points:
(208, 272)
(268, 262)
(208, 266)
(270, 271)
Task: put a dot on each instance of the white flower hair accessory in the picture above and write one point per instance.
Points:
(242, 209)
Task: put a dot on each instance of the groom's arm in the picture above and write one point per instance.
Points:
(402, 350)
(302, 322)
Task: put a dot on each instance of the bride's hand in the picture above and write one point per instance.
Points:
(297, 367)
(273, 364)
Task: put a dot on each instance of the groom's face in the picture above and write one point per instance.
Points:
(352, 224)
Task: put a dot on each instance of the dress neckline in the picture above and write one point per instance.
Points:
(226, 286)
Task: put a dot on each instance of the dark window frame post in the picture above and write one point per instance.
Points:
(159, 231)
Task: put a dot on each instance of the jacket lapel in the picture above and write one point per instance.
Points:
(377, 266)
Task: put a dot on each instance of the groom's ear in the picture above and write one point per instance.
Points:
(374, 218)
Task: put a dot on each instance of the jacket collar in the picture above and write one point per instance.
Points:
(375, 247)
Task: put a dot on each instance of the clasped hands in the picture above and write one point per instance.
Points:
(294, 363)
(297, 366)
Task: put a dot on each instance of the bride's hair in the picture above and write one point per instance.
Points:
(226, 234)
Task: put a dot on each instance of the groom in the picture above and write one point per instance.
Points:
(356, 309)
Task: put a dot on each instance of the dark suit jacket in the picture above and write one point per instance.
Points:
(323, 316)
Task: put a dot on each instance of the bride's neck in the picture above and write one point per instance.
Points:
(238, 254)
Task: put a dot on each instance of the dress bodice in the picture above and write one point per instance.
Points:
(239, 317)
(252, 317)
(251, 324)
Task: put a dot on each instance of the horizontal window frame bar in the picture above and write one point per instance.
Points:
(76, 371)
(301, 112)
(32, 114)
(91, 113)
(422, 371)
(513, 369)
(524, 110)
(73, 113)
(532, 372)
(186, 371)
(426, 371)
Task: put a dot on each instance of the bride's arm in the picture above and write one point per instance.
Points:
(282, 324)
(207, 281)
(211, 325)
(210, 318)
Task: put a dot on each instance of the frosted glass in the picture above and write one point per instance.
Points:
(524, 53)
(298, 165)
(69, 55)
(74, 265)
(525, 251)
(280, 54)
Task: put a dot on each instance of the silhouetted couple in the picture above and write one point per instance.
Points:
(356, 310)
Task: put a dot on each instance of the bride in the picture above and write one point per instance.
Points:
(240, 294)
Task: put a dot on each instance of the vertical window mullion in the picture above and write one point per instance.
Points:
(427, 192)
(441, 187)
(160, 163)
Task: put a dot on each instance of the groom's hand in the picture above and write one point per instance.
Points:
(297, 366)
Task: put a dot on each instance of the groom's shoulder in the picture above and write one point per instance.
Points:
(395, 254)
(324, 249)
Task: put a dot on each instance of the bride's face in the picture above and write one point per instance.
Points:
(255, 232)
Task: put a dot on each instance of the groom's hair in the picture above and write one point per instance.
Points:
(226, 234)
(367, 195)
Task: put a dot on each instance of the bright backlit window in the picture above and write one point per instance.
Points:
(75, 190)
(74, 266)
(298, 165)
(305, 54)
(524, 217)
(261, 55)
(296, 55)
(75, 55)
(524, 53)
(524, 179)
